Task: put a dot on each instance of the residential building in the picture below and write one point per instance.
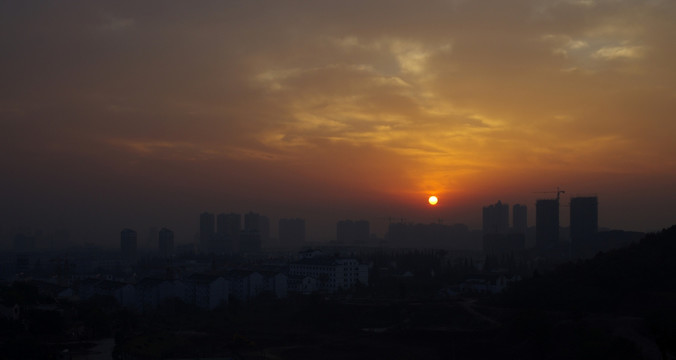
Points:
(150, 293)
(207, 230)
(331, 274)
(519, 219)
(547, 224)
(275, 283)
(228, 229)
(496, 218)
(166, 242)
(256, 232)
(206, 291)
(244, 284)
(128, 244)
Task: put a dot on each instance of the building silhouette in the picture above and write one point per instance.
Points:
(546, 224)
(291, 232)
(329, 274)
(153, 234)
(584, 223)
(264, 229)
(252, 222)
(207, 230)
(228, 228)
(128, 243)
(353, 232)
(519, 218)
(496, 218)
(256, 232)
(496, 239)
(166, 242)
(229, 224)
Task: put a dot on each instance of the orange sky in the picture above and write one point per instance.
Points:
(138, 114)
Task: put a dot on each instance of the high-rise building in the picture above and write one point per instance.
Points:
(229, 224)
(166, 242)
(264, 228)
(546, 224)
(256, 232)
(249, 242)
(128, 243)
(291, 232)
(496, 218)
(259, 223)
(252, 222)
(207, 230)
(584, 223)
(520, 218)
(228, 229)
(344, 231)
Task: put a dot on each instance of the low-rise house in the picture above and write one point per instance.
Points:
(256, 284)
(86, 288)
(150, 292)
(206, 291)
(245, 284)
(275, 283)
(302, 284)
(490, 283)
(309, 254)
(54, 291)
(122, 292)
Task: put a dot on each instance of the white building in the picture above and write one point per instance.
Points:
(302, 284)
(150, 293)
(488, 283)
(245, 284)
(275, 283)
(331, 274)
(122, 292)
(206, 291)
(308, 254)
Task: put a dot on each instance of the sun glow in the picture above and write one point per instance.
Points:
(433, 200)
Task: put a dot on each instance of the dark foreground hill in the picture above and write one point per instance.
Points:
(635, 280)
(626, 295)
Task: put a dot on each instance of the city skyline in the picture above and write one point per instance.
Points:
(134, 115)
(223, 233)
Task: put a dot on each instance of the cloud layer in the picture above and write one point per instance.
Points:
(344, 106)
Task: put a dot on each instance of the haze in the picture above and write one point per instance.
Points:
(119, 114)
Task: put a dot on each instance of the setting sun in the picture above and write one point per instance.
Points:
(433, 200)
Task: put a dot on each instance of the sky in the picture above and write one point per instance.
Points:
(119, 114)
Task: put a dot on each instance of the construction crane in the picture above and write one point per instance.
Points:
(558, 192)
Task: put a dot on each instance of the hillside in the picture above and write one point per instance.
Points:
(625, 296)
